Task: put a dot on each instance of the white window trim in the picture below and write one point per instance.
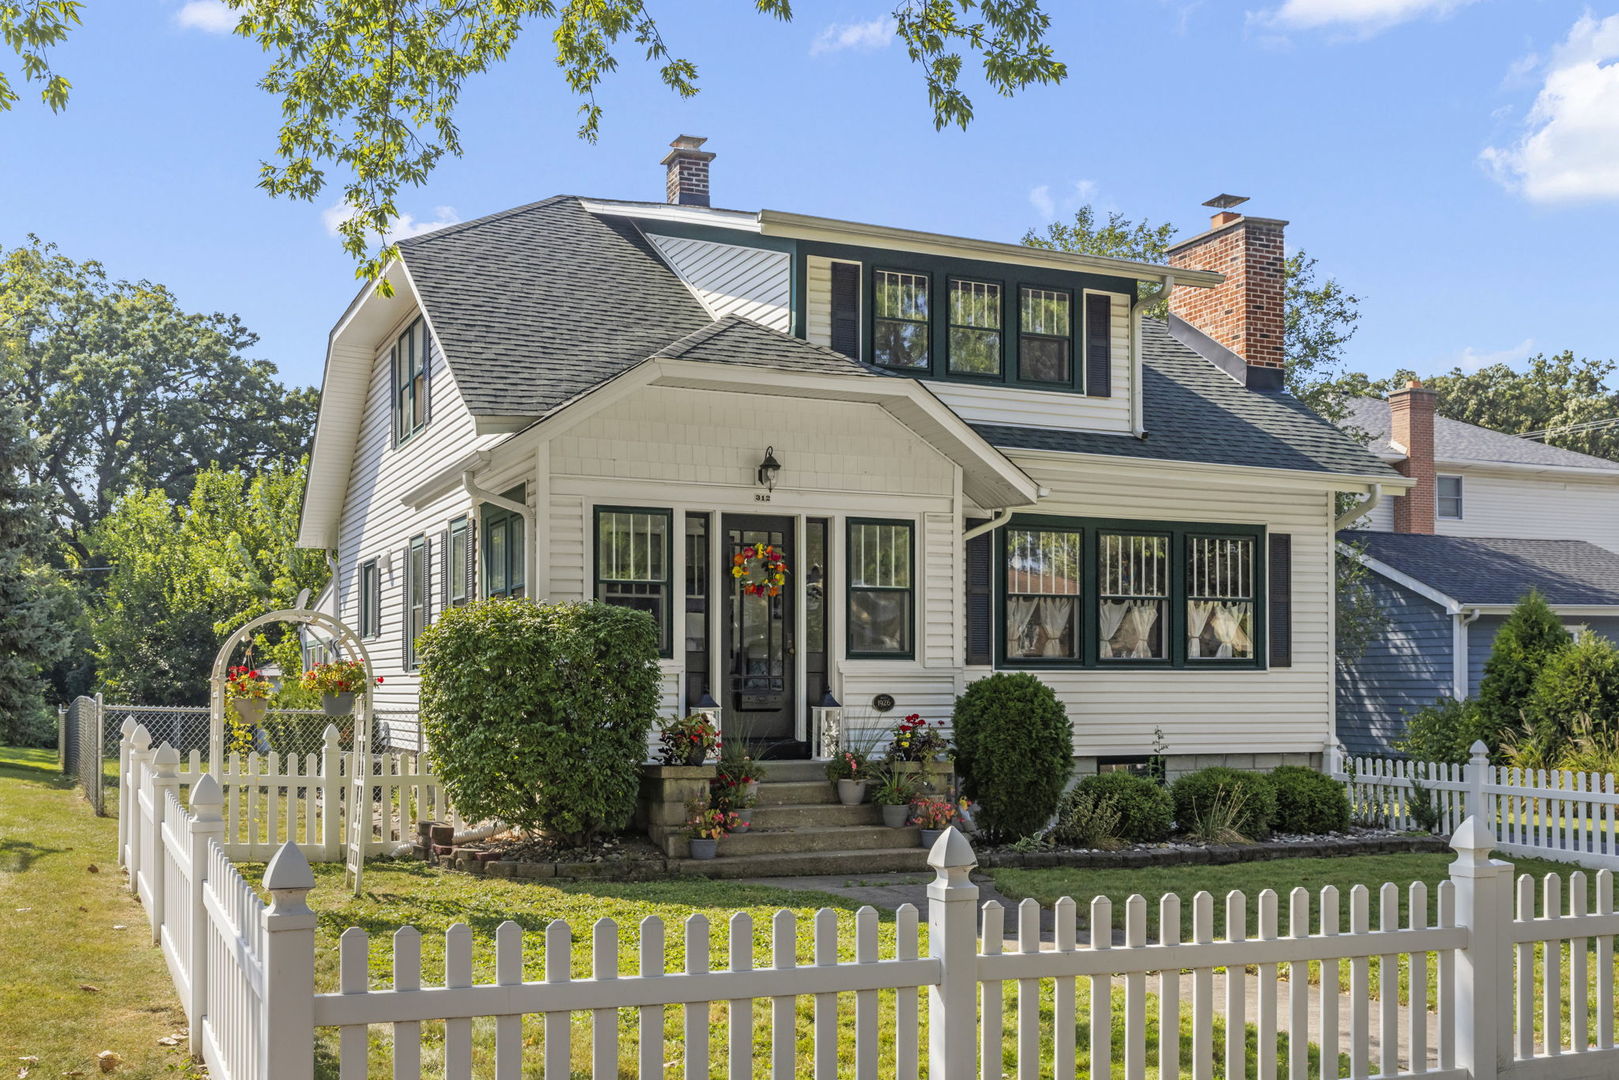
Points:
(1461, 497)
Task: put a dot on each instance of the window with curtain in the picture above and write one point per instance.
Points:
(633, 549)
(410, 381)
(881, 589)
(975, 327)
(1219, 598)
(1044, 574)
(900, 324)
(1045, 335)
(1133, 586)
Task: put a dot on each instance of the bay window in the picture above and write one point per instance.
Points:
(882, 604)
(634, 547)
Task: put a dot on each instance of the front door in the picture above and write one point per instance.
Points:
(759, 648)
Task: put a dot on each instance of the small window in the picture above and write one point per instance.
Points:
(415, 597)
(1450, 497)
(502, 549)
(881, 601)
(370, 599)
(975, 328)
(1220, 598)
(900, 328)
(410, 381)
(1043, 575)
(455, 565)
(1133, 585)
(1046, 335)
(632, 563)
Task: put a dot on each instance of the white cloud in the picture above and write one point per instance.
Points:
(1470, 359)
(403, 227)
(1358, 16)
(1040, 199)
(838, 37)
(1569, 147)
(209, 16)
(1051, 206)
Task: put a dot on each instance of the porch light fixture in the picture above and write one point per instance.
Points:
(768, 468)
(706, 702)
(828, 701)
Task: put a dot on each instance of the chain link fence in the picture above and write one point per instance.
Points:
(83, 749)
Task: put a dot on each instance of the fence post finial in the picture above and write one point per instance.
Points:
(288, 1004)
(331, 736)
(206, 798)
(1478, 774)
(127, 728)
(288, 879)
(953, 941)
(167, 762)
(142, 738)
(1472, 842)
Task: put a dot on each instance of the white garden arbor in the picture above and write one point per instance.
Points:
(360, 756)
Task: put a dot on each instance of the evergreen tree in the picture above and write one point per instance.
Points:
(1529, 638)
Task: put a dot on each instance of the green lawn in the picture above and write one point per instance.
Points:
(58, 936)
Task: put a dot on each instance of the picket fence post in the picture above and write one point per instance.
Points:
(126, 732)
(287, 1022)
(1484, 966)
(207, 823)
(140, 756)
(331, 789)
(1478, 771)
(953, 941)
(165, 778)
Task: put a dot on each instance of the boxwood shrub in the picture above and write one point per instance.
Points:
(538, 714)
(1308, 802)
(1195, 795)
(1146, 812)
(1014, 753)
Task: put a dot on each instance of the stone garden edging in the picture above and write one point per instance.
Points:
(1324, 847)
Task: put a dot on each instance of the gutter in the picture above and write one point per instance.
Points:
(1001, 517)
(1360, 509)
(1137, 423)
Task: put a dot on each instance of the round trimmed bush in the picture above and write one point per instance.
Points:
(1146, 812)
(1248, 799)
(1014, 753)
(1308, 802)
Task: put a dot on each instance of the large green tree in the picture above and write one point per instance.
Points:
(184, 576)
(1320, 314)
(371, 87)
(124, 389)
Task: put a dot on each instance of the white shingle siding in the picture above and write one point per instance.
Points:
(733, 280)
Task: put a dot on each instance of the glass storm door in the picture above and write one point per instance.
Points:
(759, 651)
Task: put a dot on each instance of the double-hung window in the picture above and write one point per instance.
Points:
(633, 553)
(882, 601)
(1219, 598)
(457, 562)
(1133, 585)
(1449, 492)
(1045, 335)
(370, 599)
(415, 597)
(501, 552)
(1044, 583)
(900, 320)
(409, 361)
(975, 327)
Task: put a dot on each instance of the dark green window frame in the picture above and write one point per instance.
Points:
(851, 587)
(455, 562)
(958, 330)
(1180, 536)
(644, 584)
(370, 599)
(416, 593)
(1030, 331)
(501, 549)
(411, 396)
(926, 323)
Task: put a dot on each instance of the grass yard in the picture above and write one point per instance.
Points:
(57, 936)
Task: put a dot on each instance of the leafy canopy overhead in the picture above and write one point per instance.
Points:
(370, 87)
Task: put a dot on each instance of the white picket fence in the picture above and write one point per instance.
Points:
(1541, 813)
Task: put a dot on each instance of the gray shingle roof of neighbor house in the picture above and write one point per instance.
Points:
(1474, 570)
(1458, 441)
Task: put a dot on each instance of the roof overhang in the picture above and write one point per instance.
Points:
(1351, 482)
(1451, 605)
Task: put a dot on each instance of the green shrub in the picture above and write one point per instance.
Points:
(538, 714)
(1446, 731)
(1146, 812)
(1578, 688)
(1086, 819)
(1014, 753)
(1308, 801)
(1246, 799)
(1529, 638)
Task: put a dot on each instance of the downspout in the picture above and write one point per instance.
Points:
(478, 494)
(1458, 653)
(1137, 424)
(1000, 517)
(1360, 509)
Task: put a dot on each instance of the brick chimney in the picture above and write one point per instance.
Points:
(1411, 413)
(1245, 314)
(688, 171)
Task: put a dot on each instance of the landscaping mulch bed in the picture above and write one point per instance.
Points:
(616, 858)
(1188, 853)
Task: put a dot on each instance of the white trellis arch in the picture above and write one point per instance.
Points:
(360, 758)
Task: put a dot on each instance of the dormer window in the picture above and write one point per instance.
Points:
(409, 359)
(975, 328)
(1046, 335)
(900, 324)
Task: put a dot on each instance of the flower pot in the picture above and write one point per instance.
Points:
(895, 815)
(929, 836)
(851, 792)
(250, 710)
(704, 849)
(744, 820)
(338, 704)
(696, 755)
(751, 790)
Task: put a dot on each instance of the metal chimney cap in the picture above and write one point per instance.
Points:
(1226, 202)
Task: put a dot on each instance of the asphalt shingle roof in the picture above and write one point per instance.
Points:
(1193, 411)
(1476, 570)
(736, 340)
(1458, 441)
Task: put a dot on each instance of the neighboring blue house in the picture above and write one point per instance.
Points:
(1446, 597)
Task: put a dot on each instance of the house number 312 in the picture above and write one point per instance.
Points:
(761, 497)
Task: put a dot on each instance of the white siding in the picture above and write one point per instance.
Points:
(1525, 507)
(818, 300)
(729, 279)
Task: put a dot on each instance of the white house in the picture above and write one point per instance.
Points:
(969, 455)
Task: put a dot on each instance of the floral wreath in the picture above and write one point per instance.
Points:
(760, 569)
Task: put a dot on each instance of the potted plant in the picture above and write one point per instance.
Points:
(687, 740)
(934, 816)
(849, 775)
(248, 693)
(915, 739)
(893, 794)
(709, 825)
(339, 682)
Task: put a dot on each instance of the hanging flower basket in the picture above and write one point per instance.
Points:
(250, 711)
(338, 704)
(760, 570)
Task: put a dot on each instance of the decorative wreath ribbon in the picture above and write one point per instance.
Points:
(760, 570)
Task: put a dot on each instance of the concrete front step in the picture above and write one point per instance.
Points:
(797, 793)
(805, 864)
(835, 838)
(812, 814)
(793, 771)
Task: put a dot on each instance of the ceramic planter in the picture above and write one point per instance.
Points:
(929, 836)
(338, 704)
(696, 755)
(895, 815)
(744, 820)
(704, 849)
(251, 710)
(851, 792)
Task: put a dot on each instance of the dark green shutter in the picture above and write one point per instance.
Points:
(444, 571)
(1281, 600)
(1099, 346)
(471, 567)
(846, 308)
(980, 612)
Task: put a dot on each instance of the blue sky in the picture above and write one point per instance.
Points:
(1454, 162)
